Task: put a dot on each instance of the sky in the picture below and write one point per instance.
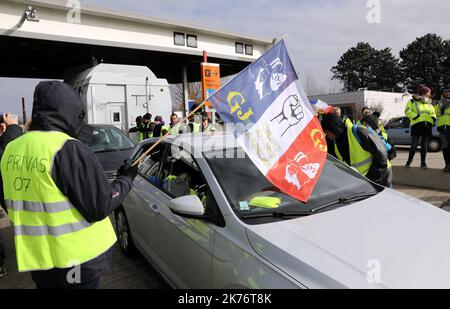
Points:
(317, 32)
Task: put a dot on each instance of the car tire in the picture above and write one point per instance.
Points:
(434, 145)
(123, 233)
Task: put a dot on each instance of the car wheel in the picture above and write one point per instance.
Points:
(434, 145)
(123, 233)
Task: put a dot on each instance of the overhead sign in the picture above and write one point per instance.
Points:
(210, 81)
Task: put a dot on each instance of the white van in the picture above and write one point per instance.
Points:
(116, 94)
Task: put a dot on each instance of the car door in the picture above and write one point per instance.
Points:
(405, 131)
(399, 131)
(142, 202)
(184, 246)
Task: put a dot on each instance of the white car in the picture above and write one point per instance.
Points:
(193, 214)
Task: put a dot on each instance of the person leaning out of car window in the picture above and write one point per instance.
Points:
(422, 115)
(443, 124)
(360, 149)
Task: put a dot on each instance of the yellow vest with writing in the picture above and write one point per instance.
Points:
(49, 230)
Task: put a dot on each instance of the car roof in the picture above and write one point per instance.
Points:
(200, 141)
(103, 126)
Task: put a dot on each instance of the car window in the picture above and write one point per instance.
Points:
(109, 139)
(181, 176)
(119, 139)
(150, 168)
(244, 184)
(401, 123)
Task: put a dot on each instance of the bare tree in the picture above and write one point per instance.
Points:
(194, 92)
(177, 94)
(378, 107)
(311, 85)
(313, 88)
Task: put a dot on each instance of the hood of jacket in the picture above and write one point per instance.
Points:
(57, 107)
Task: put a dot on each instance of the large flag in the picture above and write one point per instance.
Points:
(275, 123)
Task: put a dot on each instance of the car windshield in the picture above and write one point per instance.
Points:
(248, 191)
(109, 139)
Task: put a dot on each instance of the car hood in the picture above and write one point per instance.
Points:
(388, 241)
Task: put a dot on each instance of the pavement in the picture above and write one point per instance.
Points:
(431, 178)
(435, 160)
(126, 272)
(136, 272)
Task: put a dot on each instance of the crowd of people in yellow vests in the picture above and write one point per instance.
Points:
(366, 146)
(81, 229)
(146, 128)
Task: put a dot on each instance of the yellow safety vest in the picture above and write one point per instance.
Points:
(443, 119)
(149, 134)
(347, 121)
(49, 230)
(166, 129)
(196, 127)
(175, 130)
(139, 134)
(360, 159)
(383, 130)
(425, 111)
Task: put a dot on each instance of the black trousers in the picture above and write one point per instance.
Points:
(423, 141)
(420, 133)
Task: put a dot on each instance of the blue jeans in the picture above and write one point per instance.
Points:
(2, 249)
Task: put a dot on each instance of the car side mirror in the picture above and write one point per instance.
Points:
(189, 205)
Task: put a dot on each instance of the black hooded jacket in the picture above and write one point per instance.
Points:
(11, 133)
(76, 170)
(379, 172)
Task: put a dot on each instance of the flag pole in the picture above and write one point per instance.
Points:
(142, 157)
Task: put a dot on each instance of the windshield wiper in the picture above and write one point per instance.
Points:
(345, 200)
(278, 214)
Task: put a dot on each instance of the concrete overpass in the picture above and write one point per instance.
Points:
(61, 41)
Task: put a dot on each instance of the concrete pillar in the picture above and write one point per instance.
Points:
(185, 91)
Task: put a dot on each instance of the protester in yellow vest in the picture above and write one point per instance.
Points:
(175, 125)
(207, 127)
(443, 123)
(372, 123)
(359, 148)
(160, 127)
(137, 129)
(422, 116)
(381, 125)
(194, 124)
(58, 197)
(147, 127)
(338, 111)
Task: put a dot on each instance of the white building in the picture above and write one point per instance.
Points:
(351, 103)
